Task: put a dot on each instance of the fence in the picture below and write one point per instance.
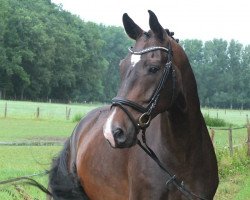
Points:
(231, 116)
(37, 112)
(66, 111)
(230, 136)
(34, 110)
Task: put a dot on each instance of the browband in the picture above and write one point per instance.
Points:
(147, 50)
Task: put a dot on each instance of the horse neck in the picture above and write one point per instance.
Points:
(187, 104)
(183, 124)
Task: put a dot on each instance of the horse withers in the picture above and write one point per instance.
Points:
(157, 99)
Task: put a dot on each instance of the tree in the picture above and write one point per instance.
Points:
(235, 70)
(245, 76)
(48, 53)
(115, 49)
(194, 50)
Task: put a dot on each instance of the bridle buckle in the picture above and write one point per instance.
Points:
(144, 120)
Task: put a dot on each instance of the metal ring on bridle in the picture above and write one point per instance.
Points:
(144, 120)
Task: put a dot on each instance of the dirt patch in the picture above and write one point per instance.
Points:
(49, 139)
(36, 142)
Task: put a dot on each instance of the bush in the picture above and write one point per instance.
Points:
(77, 117)
(228, 165)
(214, 122)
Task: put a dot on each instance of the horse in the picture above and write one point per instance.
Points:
(152, 141)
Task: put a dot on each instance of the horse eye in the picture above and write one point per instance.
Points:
(153, 69)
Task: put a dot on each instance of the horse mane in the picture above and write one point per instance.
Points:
(171, 34)
(189, 90)
(65, 185)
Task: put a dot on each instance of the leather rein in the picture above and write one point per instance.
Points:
(145, 118)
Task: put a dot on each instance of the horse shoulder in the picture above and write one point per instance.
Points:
(95, 159)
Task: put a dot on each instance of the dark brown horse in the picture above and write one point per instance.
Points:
(158, 99)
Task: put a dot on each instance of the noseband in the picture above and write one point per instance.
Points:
(145, 119)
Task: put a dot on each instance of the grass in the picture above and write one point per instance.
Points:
(15, 129)
(244, 193)
(221, 138)
(51, 111)
(234, 187)
(235, 117)
(214, 122)
(22, 161)
(234, 175)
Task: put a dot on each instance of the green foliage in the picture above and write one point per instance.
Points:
(77, 117)
(48, 53)
(230, 165)
(214, 122)
(234, 174)
(221, 70)
(244, 193)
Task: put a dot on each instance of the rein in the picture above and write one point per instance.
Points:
(28, 180)
(145, 119)
(176, 182)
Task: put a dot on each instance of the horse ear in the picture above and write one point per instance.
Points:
(131, 28)
(155, 26)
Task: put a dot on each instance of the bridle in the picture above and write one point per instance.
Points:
(146, 116)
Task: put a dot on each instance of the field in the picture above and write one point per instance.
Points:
(16, 161)
(22, 126)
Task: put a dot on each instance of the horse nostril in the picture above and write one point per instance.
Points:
(119, 136)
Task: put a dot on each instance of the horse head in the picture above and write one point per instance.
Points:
(148, 83)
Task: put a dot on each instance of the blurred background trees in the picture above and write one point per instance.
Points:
(49, 53)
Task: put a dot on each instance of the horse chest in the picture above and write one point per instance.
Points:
(132, 178)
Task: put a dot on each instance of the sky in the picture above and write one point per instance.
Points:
(189, 19)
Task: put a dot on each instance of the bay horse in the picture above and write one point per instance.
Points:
(157, 99)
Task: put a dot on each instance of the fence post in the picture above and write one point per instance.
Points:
(212, 132)
(68, 110)
(248, 137)
(66, 113)
(5, 110)
(37, 112)
(68, 116)
(230, 140)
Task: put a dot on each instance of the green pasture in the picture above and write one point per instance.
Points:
(51, 111)
(21, 125)
(234, 117)
(16, 161)
(234, 172)
(16, 129)
(239, 138)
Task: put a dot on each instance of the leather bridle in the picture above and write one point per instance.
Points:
(146, 116)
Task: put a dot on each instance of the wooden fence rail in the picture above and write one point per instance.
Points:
(248, 139)
(230, 136)
(37, 112)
